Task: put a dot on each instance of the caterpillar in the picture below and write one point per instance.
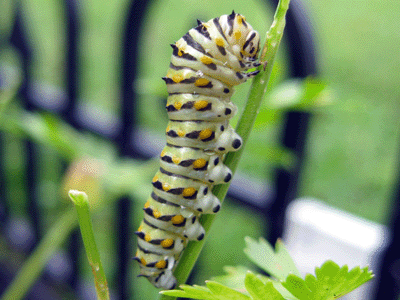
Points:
(206, 64)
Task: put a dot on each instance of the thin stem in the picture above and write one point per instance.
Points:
(81, 202)
(36, 262)
(245, 125)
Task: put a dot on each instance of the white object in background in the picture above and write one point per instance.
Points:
(315, 232)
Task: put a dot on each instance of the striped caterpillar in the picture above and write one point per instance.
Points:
(206, 63)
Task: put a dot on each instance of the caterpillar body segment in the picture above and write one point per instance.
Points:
(195, 163)
(186, 107)
(206, 64)
(218, 137)
(184, 191)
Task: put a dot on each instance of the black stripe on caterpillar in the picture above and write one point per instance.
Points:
(206, 63)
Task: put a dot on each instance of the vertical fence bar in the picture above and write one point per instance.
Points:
(126, 145)
(389, 279)
(71, 50)
(133, 29)
(20, 41)
(69, 113)
(286, 181)
(4, 214)
(124, 250)
(74, 247)
(298, 35)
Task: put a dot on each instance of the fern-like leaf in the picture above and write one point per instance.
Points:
(330, 282)
(255, 287)
(277, 263)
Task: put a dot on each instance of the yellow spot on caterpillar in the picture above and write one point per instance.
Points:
(181, 133)
(176, 160)
(219, 42)
(166, 130)
(199, 163)
(167, 243)
(161, 264)
(180, 51)
(156, 214)
(178, 219)
(177, 78)
(147, 237)
(237, 34)
(188, 192)
(137, 253)
(143, 261)
(162, 153)
(140, 227)
(155, 178)
(177, 105)
(200, 104)
(206, 60)
(166, 187)
(201, 82)
(240, 19)
(146, 205)
(205, 133)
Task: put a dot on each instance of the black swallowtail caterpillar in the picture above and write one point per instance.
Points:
(207, 62)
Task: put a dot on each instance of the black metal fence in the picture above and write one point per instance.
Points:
(302, 63)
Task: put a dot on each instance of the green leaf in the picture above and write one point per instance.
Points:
(221, 290)
(278, 263)
(330, 282)
(300, 94)
(297, 287)
(194, 292)
(259, 287)
(233, 278)
(284, 292)
(259, 290)
(213, 291)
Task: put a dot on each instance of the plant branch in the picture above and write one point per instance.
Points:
(81, 202)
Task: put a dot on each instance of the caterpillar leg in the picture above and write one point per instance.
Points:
(159, 272)
(165, 280)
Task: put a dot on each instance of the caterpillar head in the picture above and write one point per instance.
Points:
(241, 36)
(251, 46)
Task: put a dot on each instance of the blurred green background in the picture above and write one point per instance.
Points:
(353, 142)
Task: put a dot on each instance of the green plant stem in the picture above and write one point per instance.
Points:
(32, 268)
(80, 200)
(245, 125)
